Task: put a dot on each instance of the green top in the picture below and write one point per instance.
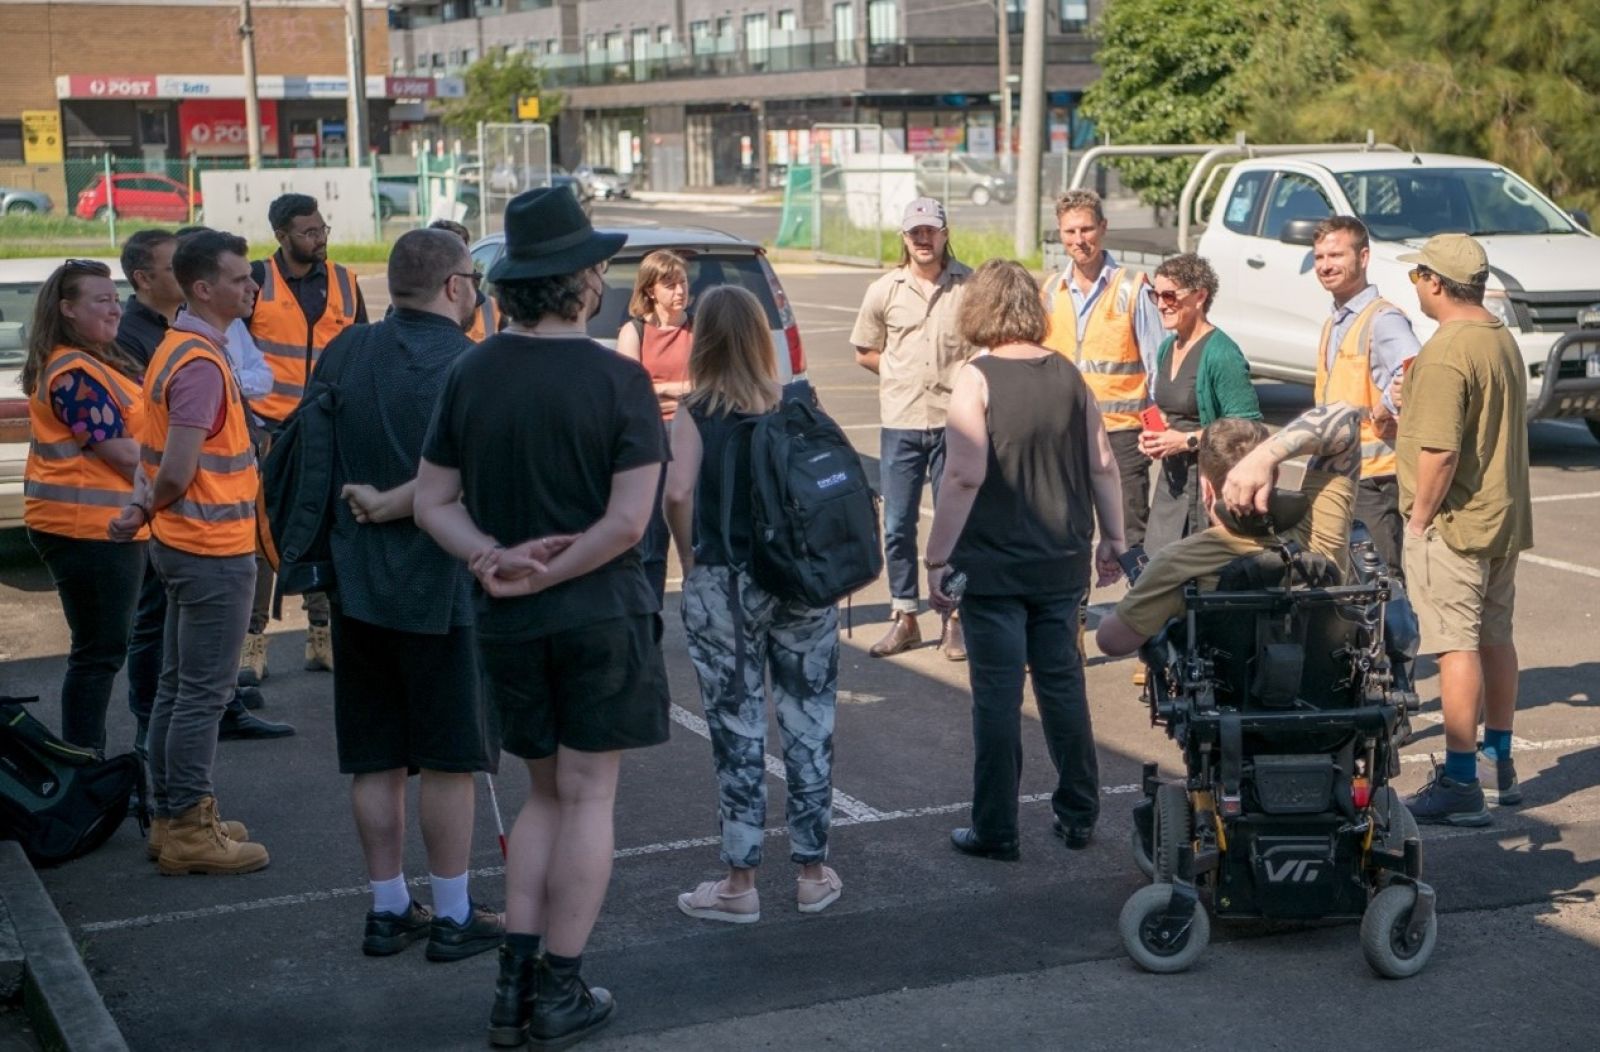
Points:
(1468, 394)
(1222, 385)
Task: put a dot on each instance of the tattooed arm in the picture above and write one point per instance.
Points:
(1330, 433)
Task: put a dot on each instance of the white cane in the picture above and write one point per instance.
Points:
(494, 808)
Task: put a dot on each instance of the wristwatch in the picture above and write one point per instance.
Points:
(929, 564)
(1194, 442)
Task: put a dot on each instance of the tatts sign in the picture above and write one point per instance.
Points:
(216, 128)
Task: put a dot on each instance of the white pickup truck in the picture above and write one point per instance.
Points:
(1544, 279)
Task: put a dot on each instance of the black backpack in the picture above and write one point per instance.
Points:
(299, 483)
(56, 799)
(815, 535)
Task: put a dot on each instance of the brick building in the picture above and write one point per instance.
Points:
(718, 92)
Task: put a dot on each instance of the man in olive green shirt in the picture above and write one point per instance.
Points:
(1462, 454)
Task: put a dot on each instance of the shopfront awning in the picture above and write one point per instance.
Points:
(133, 87)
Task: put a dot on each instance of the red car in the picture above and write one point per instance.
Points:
(139, 195)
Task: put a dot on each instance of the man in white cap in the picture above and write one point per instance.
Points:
(906, 334)
(1462, 453)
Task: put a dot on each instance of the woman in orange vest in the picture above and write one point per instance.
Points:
(658, 336)
(85, 408)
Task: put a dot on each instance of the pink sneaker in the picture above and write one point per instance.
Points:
(817, 895)
(710, 901)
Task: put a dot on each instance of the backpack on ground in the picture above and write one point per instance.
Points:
(299, 485)
(57, 800)
(815, 535)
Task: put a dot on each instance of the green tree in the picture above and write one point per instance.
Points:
(493, 84)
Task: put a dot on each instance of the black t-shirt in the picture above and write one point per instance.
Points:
(537, 426)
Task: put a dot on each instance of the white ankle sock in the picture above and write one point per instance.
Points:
(390, 896)
(450, 898)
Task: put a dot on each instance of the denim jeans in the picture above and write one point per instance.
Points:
(144, 646)
(1003, 634)
(906, 458)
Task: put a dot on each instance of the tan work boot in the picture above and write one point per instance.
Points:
(253, 660)
(319, 649)
(903, 634)
(197, 842)
(953, 642)
(159, 826)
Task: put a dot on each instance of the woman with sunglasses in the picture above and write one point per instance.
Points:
(1201, 376)
(658, 335)
(85, 408)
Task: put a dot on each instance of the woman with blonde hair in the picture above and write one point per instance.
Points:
(85, 408)
(658, 335)
(738, 632)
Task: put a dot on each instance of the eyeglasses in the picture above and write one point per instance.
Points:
(87, 266)
(1416, 274)
(1170, 297)
(474, 276)
(316, 233)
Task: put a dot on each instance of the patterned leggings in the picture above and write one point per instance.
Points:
(800, 645)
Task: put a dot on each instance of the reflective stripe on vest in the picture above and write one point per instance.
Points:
(1108, 354)
(486, 322)
(289, 346)
(215, 515)
(1350, 381)
(68, 490)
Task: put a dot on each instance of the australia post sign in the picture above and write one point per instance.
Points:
(216, 128)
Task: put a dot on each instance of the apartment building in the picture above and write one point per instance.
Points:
(718, 92)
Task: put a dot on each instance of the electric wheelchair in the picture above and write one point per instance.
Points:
(1277, 686)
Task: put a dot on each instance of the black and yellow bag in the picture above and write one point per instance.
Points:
(58, 800)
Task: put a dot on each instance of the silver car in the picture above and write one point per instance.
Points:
(603, 182)
(15, 201)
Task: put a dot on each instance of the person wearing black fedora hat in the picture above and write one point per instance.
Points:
(540, 470)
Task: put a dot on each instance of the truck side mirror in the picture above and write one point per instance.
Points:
(1298, 232)
(1581, 217)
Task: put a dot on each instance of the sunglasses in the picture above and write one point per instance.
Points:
(87, 266)
(474, 276)
(1416, 274)
(1170, 297)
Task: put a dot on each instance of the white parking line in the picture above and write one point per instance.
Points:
(1558, 564)
(1553, 497)
(826, 306)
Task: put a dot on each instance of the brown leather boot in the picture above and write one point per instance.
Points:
(197, 842)
(158, 834)
(253, 660)
(953, 642)
(903, 634)
(319, 649)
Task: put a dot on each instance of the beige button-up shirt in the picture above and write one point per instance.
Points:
(919, 347)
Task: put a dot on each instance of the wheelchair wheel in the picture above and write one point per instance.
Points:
(1141, 854)
(1397, 824)
(1173, 829)
(1140, 922)
(1383, 934)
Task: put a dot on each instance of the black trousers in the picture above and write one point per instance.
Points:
(1004, 634)
(1378, 505)
(1134, 467)
(98, 582)
(144, 645)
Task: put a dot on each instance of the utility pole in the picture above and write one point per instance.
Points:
(252, 104)
(1032, 130)
(1003, 16)
(355, 133)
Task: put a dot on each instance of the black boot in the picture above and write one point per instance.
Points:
(513, 997)
(565, 1009)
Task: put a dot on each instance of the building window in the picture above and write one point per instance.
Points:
(664, 35)
(11, 142)
(1016, 11)
(700, 37)
(552, 46)
(786, 21)
(1074, 16)
(844, 32)
(756, 41)
(616, 49)
(883, 22)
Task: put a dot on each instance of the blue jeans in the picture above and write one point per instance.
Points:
(905, 459)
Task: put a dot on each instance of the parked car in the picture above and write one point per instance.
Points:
(398, 196)
(139, 195)
(579, 190)
(604, 182)
(952, 176)
(20, 281)
(15, 201)
(714, 258)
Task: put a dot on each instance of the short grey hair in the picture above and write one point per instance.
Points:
(1081, 200)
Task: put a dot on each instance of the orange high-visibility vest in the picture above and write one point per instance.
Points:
(290, 346)
(216, 515)
(1350, 381)
(1108, 354)
(67, 489)
(486, 322)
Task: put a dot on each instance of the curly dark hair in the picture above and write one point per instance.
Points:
(527, 301)
(1190, 271)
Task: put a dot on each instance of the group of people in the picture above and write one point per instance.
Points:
(509, 489)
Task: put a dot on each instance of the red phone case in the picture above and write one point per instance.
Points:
(1152, 418)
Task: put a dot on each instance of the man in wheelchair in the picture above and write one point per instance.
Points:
(1269, 669)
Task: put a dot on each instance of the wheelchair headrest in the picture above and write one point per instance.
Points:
(1285, 509)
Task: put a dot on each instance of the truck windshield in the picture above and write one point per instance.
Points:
(1418, 203)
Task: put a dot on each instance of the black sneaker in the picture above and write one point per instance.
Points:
(1498, 778)
(1445, 801)
(389, 933)
(449, 941)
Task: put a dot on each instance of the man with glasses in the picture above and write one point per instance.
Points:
(405, 686)
(488, 320)
(1462, 458)
(305, 302)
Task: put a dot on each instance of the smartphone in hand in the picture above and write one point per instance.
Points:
(1152, 419)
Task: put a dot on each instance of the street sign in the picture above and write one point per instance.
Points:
(527, 107)
(41, 137)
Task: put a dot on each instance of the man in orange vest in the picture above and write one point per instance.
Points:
(197, 494)
(305, 302)
(1366, 343)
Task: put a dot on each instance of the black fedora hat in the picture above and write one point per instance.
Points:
(547, 233)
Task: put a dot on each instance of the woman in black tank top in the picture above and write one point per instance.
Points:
(739, 633)
(1028, 471)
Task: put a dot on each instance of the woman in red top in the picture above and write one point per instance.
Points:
(658, 337)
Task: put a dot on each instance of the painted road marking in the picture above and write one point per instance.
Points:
(1551, 498)
(1558, 564)
(826, 306)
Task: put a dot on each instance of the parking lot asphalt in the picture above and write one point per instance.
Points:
(926, 949)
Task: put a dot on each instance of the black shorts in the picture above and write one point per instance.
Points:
(404, 699)
(598, 688)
